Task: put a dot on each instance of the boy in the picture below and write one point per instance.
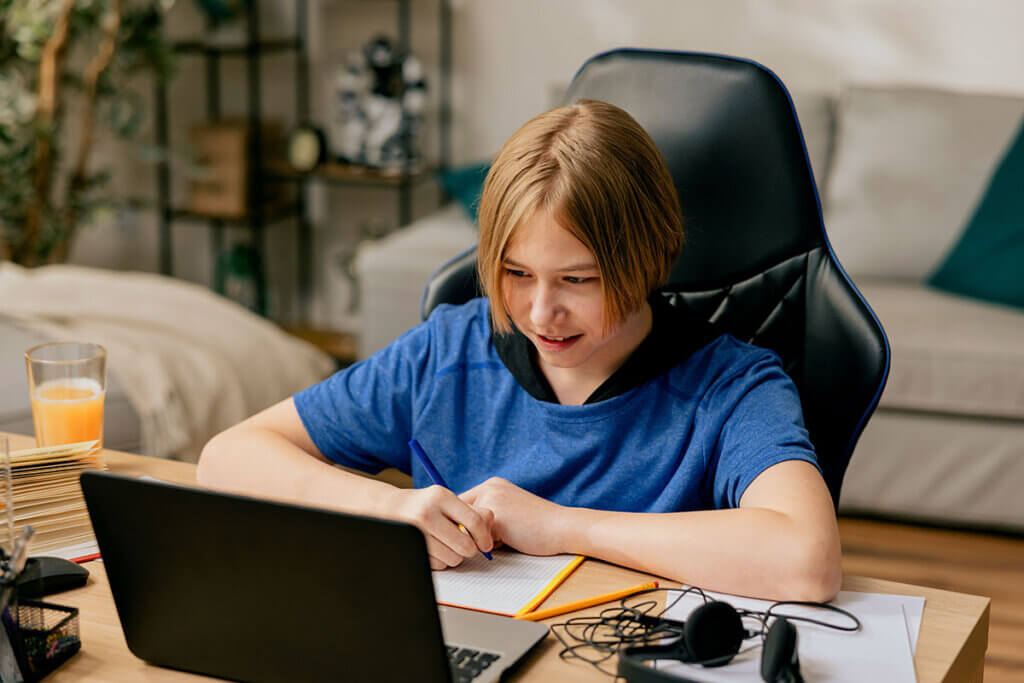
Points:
(573, 409)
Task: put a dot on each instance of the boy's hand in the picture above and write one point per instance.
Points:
(438, 512)
(527, 522)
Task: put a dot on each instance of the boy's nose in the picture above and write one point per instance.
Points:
(545, 308)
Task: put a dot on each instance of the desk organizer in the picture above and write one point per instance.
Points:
(49, 636)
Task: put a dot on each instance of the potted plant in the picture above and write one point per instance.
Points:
(55, 54)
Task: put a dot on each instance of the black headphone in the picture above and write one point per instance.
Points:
(712, 636)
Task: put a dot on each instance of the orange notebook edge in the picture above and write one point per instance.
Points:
(552, 585)
(475, 609)
(85, 558)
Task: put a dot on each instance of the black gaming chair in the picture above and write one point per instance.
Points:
(757, 261)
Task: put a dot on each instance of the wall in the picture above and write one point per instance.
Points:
(510, 54)
(512, 60)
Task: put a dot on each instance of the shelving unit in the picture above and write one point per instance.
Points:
(261, 172)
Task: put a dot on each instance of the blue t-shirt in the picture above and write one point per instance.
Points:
(693, 438)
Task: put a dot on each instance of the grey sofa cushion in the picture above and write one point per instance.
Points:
(909, 167)
(959, 470)
(120, 421)
(950, 354)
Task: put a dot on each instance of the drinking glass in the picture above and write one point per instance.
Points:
(67, 382)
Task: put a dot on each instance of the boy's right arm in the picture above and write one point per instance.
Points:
(271, 455)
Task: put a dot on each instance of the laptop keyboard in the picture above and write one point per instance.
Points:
(467, 664)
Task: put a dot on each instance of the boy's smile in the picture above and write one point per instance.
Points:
(553, 294)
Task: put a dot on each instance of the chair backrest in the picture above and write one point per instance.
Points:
(757, 261)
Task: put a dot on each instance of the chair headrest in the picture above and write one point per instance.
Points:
(729, 135)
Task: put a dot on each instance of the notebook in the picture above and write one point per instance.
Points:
(45, 494)
(249, 589)
(511, 584)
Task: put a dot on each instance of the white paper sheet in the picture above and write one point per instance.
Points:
(70, 552)
(880, 651)
(913, 610)
(503, 585)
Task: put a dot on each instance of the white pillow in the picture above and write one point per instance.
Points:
(394, 270)
(909, 167)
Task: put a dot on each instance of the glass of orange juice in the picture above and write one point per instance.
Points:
(67, 382)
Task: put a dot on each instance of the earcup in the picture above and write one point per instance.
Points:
(779, 661)
(713, 634)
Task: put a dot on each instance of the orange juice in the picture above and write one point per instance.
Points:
(68, 411)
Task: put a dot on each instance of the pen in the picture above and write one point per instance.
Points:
(436, 477)
(15, 563)
(583, 604)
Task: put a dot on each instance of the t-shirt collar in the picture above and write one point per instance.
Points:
(676, 332)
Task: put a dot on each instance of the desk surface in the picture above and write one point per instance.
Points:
(951, 646)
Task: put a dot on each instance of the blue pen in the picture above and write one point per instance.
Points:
(436, 477)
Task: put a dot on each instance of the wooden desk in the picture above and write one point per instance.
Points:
(951, 646)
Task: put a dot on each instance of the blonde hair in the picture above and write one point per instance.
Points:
(604, 181)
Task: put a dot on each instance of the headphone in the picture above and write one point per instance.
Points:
(711, 636)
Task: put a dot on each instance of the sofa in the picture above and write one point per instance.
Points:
(908, 179)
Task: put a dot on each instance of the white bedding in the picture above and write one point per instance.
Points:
(191, 362)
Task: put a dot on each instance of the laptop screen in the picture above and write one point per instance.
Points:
(249, 589)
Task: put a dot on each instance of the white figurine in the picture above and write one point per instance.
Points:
(379, 103)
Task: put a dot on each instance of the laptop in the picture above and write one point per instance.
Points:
(254, 590)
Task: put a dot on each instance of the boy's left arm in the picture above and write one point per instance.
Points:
(781, 543)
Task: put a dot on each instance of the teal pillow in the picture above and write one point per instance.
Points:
(465, 184)
(988, 261)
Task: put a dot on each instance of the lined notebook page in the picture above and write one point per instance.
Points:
(503, 585)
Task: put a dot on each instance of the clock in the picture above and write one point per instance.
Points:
(307, 148)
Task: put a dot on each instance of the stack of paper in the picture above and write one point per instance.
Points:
(882, 650)
(46, 494)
